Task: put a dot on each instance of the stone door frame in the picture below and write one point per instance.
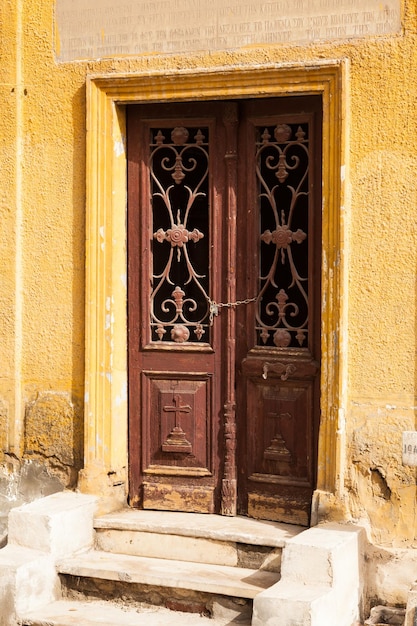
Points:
(106, 409)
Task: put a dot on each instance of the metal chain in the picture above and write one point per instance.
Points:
(215, 306)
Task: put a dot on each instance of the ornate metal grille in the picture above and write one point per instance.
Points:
(282, 170)
(179, 165)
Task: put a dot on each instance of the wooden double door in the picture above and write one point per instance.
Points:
(224, 251)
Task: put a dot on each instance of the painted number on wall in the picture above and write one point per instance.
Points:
(410, 448)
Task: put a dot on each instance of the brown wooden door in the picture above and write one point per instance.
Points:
(279, 337)
(176, 196)
(223, 306)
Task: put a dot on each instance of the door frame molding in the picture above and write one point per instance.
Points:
(106, 407)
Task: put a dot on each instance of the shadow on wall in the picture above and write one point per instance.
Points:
(21, 483)
(78, 259)
(414, 313)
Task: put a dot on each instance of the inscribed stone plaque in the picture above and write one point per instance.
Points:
(410, 448)
(92, 29)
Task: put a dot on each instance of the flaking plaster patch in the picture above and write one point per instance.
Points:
(50, 428)
(122, 397)
(378, 484)
(119, 148)
(4, 424)
(341, 423)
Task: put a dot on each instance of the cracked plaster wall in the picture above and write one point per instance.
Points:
(51, 456)
(42, 202)
(380, 489)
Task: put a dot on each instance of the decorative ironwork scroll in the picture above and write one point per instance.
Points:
(179, 162)
(282, 170)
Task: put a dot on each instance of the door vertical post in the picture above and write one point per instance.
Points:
(229, 483)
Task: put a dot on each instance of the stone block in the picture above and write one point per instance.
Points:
(390, 573)
(411, 609)
(28, 580)
(325, 554)
(381, 615)
(288, 604)
(59, 524)
(321, 583)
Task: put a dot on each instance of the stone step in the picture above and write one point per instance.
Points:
(233, 541)
(135, 570)
(70, 613)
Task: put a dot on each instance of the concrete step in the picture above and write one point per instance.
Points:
(233, 541)
(321, 582)
(214, 579)
(69, 613)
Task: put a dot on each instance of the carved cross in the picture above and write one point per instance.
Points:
(178, 408)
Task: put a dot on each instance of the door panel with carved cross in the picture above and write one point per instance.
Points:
(223, 277)
(175, 194)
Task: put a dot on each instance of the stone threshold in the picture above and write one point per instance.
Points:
(235, 529)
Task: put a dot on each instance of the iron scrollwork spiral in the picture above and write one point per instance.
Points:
(282, 170)
(179, 163)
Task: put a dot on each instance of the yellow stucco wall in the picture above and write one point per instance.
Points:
(42, 195)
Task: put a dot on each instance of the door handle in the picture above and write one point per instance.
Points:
(285, 369)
